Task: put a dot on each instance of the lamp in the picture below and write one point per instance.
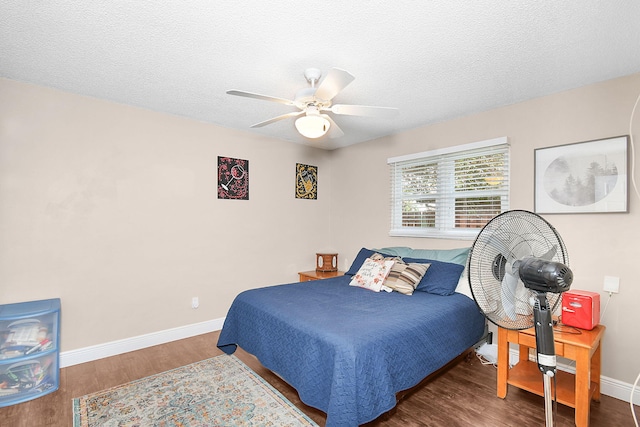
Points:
(312, 125)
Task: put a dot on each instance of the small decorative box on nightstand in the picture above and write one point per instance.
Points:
(326, 262)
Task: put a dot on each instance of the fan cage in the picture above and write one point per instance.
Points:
(511, 235)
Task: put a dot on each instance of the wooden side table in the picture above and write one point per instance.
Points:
(575, 391)
(306, 276)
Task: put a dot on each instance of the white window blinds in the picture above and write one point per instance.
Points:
(450, 193)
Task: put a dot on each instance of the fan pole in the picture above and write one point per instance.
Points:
(545, 347)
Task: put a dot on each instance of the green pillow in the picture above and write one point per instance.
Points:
(456, 256)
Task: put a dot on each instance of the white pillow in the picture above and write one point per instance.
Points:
(372, 274)
(463, 285)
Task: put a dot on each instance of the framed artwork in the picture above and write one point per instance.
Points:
(233, 178)
(306, 181)
(583, 177)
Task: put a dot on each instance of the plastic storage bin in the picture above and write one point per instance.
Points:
(29, 350)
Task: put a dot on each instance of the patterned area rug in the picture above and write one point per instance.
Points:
(221, 391)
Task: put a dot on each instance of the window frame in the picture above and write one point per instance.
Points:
(445, 212)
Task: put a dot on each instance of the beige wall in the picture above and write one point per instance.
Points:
(114, 210)
(598, 245)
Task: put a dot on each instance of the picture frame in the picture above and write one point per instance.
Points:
(306, 182)
(583, 177)
(233, 178)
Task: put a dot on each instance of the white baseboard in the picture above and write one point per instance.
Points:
(95, 352)
(608, 386)
(619, 390)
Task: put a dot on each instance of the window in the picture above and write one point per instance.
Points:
(449, 193)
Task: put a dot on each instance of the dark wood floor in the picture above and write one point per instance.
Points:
(462, 395)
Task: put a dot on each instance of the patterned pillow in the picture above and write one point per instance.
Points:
(403, 277)
(372, 274)
(357, 263)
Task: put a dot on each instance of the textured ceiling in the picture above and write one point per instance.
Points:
(434, 60)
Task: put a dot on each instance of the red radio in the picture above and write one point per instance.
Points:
(581, 309)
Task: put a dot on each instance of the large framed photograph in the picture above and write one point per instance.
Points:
(583, 177)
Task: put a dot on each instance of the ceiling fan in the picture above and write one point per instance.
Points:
(316, 100)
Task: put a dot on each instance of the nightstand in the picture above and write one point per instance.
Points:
(575, 391)
(306, 276)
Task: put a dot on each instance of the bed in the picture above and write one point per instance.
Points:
(348, 350)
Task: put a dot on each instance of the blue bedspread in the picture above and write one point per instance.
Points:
(347, 350)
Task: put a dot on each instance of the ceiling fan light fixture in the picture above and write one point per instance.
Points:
(312, 126)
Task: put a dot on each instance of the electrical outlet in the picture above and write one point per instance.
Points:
(611, 284)
(194, 302)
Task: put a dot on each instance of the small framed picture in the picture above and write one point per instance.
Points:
(233, 178)
(583, 177)
(306, 181)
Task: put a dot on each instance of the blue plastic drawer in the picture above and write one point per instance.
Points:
(29, 350)
(28, 377)
(28, 336)
(28, 328)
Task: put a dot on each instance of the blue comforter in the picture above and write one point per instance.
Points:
(347, 350)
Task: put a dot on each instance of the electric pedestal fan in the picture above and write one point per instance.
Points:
(517, 270)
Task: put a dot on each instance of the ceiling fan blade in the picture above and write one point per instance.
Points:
(364, 110)
(277, 119)
(334, 130)
(335, 81)
(261, 97)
